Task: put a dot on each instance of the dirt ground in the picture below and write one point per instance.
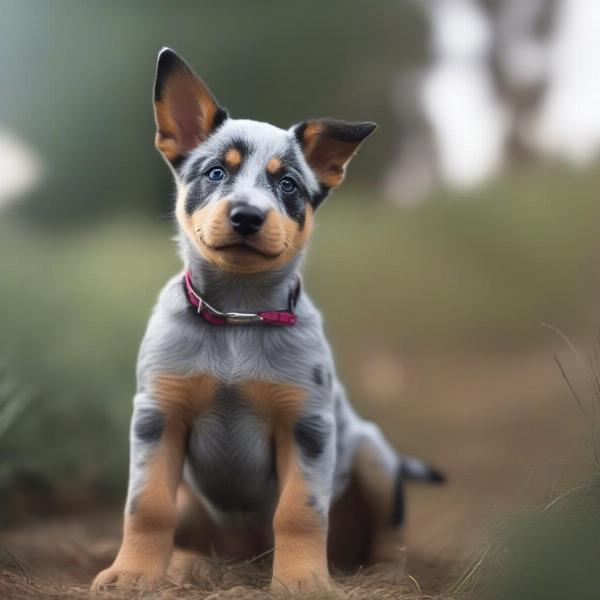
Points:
(502, 426)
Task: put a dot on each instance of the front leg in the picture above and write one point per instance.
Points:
(305, 464)
(157, 447)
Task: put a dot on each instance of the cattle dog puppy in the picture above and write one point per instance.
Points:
(242, 437)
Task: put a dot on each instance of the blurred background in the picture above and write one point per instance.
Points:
(466, 223)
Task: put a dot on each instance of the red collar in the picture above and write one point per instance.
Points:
(216, 317)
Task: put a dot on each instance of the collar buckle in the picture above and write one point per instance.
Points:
(236, 318)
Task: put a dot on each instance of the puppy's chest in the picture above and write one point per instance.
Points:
(235, 426)
(231, 428)
(230, 456)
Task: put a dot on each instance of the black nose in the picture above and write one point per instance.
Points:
(246, 219)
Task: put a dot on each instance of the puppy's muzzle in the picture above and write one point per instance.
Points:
(245, 219)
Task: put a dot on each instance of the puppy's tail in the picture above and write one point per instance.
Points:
(415, 469)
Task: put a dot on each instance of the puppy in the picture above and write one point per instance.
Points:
(242, 438)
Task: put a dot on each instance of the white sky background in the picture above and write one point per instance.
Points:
(467, 120)
(568, 125)
(20, 168)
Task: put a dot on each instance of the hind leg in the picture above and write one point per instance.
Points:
(377, 472)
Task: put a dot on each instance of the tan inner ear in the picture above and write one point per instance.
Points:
(184, 115)
(327, 156)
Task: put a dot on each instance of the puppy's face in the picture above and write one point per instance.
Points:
(247, 191)
(246, 197)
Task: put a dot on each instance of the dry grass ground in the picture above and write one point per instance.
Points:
(59, 557)
(501, 425)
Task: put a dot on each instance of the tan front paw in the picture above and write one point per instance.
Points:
(123, 577)
(295, 583)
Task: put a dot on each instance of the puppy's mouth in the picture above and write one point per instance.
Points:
(241, 247)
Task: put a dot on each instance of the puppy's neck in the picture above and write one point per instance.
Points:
(226, 291)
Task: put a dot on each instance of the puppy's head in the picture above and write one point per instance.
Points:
(247, 191)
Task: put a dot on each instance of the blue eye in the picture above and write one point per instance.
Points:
(287, 185)
(216, 174)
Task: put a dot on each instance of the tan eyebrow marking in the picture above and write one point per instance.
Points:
(274, 165)
(233, 158)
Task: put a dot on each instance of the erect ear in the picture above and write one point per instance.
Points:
(328, 146)
(184, 109)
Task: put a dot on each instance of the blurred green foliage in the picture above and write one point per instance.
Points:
(547, 554)
(77, 79)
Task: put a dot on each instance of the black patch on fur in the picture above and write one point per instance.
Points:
(318, 198)
(168, 63)
(196, 195)
(194, 169)
(299, 132)
(295, 207)
(220, 117)
(399, 504)
(178, 161)
(317, 375)
(311, 435)
(337, 129)
(148, 425)
(344, 131)
(294, 204)
(201, 187)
